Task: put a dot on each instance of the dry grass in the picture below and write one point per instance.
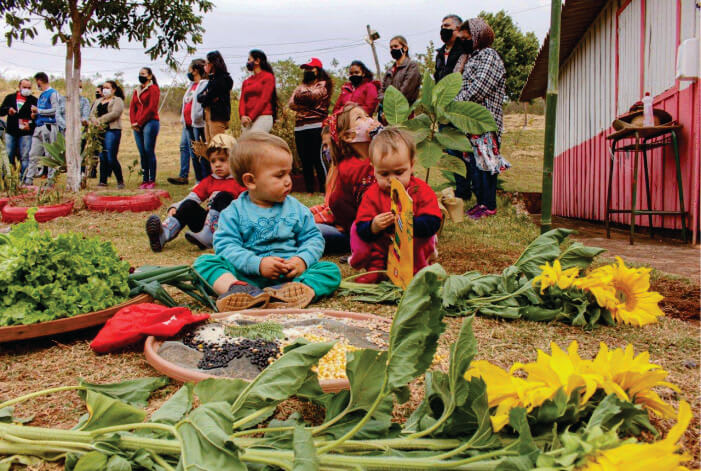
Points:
(488, 246)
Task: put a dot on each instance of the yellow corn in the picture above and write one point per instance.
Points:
(333, 364)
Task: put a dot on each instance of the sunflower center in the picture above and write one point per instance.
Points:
(625, 295)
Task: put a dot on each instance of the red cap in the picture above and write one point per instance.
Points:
(313, 62)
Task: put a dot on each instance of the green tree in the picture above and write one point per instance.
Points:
(172, 25)
(518, 50)
(427, 60)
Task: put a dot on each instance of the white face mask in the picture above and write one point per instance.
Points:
(25, 91)
(106, 92)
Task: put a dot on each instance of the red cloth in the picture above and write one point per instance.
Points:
(375, 202)
(133, 323)
(355, 175)
(187, 109)
(256, 93)
(143, 108)
(209, 185)
(365, 95)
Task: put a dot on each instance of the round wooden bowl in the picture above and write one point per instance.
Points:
(179, 373)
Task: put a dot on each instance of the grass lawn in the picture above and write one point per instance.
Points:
(488, 246)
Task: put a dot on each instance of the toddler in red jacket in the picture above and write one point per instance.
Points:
(392, 153)
(218, 189)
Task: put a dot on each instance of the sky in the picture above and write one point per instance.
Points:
(297, 29)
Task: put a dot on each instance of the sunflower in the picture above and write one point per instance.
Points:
(624, 292)
(555, 276)
(661, 456)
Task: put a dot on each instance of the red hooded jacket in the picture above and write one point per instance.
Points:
(365, 95)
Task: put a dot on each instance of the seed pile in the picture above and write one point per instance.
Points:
(333, 364)
(218, 355)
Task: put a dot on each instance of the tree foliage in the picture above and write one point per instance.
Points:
(517, 49)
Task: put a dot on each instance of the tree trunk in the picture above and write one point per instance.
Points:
(73, 124)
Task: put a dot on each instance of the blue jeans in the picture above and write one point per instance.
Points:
(146, 143)
(18, 146)
(336, 241)
(108, 156)
(201, 165)
(484, 185)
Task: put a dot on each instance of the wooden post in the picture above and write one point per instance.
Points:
(374, 52)
(550, 109)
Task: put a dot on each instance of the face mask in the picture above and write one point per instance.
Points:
(107, 93)
(309, 76)
(362, 130)
(143, 79)
(25, 91)
(80, 90)
(326, 155)
(190, 77)
(98, 93)
(467, 45)
(355, 79)
(446, 34)
(250, 65)
(396, 53)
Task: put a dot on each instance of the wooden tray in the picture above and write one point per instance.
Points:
(68, 324)
(179, 373)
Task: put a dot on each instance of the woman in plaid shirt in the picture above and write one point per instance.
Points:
(484, 82)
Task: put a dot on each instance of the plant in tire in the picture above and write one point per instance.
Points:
(43, 278)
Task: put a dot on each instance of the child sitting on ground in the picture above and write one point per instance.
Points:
(219, 189)
(267, 247)
(392, 153)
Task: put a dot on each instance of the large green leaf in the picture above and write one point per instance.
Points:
(305, 452)
(135, 391)
(446, 90)
(395, 106)
(452, 164)
(427, 86)
(429, 153)
(93, 461)
(545, 248)
(420, 126)
(204, 437)
(7, 462)
(454, 139)
(470, 118)
(175, 408)
(104, 411)
(415, 329)
(461, 354)
(579, 255)
(219, 389)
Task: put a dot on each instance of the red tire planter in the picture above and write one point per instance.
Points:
(135, 203)
(3, 202)
(162, 194)
(12, 214)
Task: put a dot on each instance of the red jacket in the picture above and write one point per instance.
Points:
(209, 185)
(144, 107)
(365, 95)
(256, 94)
(354, 177)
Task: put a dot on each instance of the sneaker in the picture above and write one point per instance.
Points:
(290, 295)
(177, 180)
(143, 186)
(102, 184)
(479, 213)
(150, 185)
(120, 186)
(474, 209)
(489, 212)
(154, 229)
(242, 296)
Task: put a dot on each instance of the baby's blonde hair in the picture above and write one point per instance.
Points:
(389, 141)
(249, 152)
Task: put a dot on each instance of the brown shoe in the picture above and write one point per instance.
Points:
(177, 181)
(289, 295)
(242, 296)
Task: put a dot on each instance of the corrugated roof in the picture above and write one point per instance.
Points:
(577, 16)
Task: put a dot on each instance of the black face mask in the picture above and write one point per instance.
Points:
(143, 79)
(190, 77)
(446, 34)
(309, 76)
(396, 53)
(467, 45)
(355, 79)
(250, 65)
(98, 94)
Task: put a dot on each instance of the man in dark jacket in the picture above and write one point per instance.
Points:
(448, 54)
(17, 107)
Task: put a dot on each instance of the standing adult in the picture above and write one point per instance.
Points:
(143, 115)
(17, 106)
(258, 103)
(310, 102)
(192, 118)
(98, 95)
(44, 116)
(484, 82)
(404, 74)
(449, 55)
(108, 112)
(360, 89)
(84, 111)
(215, 98)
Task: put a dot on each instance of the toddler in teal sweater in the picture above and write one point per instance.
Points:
(267, 246)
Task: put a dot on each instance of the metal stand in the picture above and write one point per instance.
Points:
(644, 139)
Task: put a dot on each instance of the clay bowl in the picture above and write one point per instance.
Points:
(179, 373)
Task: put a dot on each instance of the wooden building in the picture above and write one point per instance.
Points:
(612, 52)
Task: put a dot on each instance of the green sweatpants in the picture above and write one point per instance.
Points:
(323, 277)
